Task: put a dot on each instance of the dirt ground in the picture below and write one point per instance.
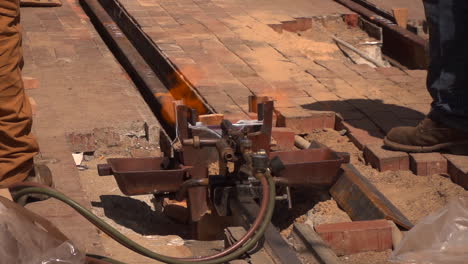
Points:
(138, 217)
(415, 196)
(141, 217)
(367, 258)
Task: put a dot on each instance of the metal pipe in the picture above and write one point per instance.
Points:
(200, 142)
(359, 52)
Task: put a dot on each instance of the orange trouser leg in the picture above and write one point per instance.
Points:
(17, 145)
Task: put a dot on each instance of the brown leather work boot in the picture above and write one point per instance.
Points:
(428, 136)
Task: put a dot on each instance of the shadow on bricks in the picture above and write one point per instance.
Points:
(138, 216)
(372, 116)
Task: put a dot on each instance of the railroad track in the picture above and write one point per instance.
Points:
(155, 75)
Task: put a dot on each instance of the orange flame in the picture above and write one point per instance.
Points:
(181, 91)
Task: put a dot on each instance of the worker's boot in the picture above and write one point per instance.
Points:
(40, 174)
(428, 136)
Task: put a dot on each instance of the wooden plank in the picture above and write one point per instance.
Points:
(362, 201)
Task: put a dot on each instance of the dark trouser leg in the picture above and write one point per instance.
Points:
(448, 73)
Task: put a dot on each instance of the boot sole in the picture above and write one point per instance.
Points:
(425, 149)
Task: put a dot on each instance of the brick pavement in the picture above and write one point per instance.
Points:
(78, 86)
(232, 49)
(228, 50)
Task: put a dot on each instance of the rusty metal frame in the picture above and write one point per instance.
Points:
(188, 164)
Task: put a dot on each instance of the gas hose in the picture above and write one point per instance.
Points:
(130, 244)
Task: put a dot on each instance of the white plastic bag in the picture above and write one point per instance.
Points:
(27, 238)
(440, 238)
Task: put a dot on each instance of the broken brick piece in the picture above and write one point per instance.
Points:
(304, 121)
(354, 237)
(211, 120)
(284, 138)
(385, 160)
(458, 169)
(82, 142)
(427, 164)
(30, 83)
(351, 20)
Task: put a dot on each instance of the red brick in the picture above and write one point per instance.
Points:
(458, 169)
(362, 132)
(304, 23)
(304, 101)
(354, 237)
(304, 121)
(362, 69)
(420, 74)
(427, 164)
(385, 120)
(385, 160)
(399, 79)
(300, 24)
(389, 71)
(284, 138)
(339, 68)
(325, 96)
(277, 27)
(320, 72)
(364, 138)
(30, 83)
(256, 84)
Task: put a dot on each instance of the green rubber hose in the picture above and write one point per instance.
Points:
(125, 241)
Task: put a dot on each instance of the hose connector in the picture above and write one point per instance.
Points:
(260, 161)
